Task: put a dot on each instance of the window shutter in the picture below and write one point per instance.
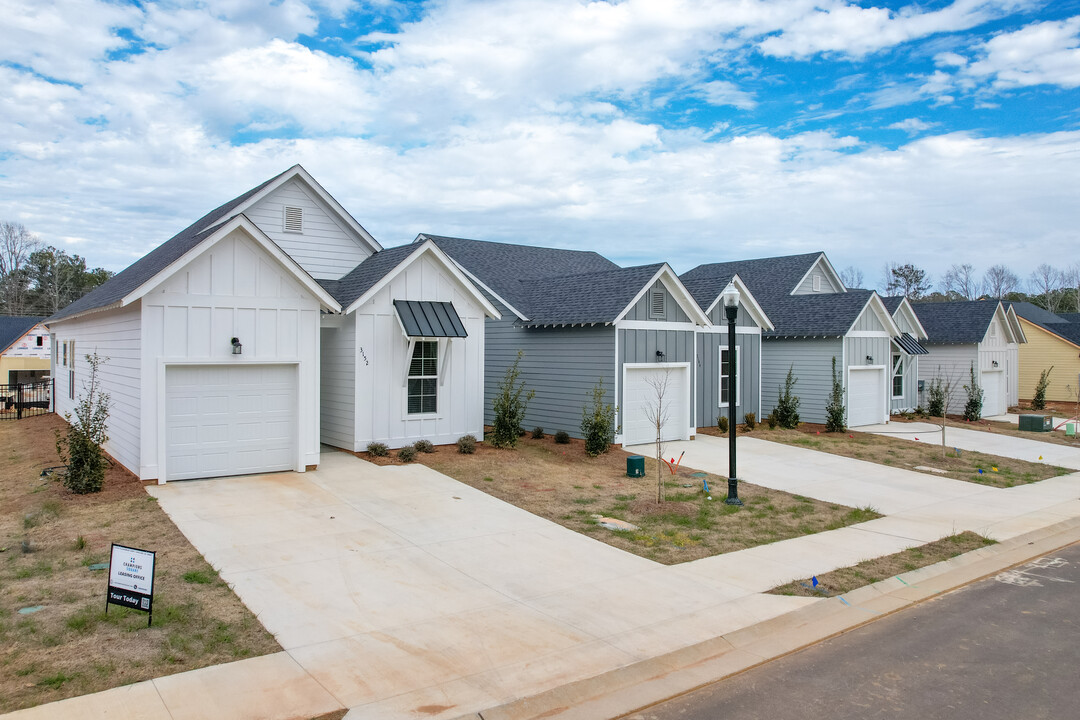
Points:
(294, 219)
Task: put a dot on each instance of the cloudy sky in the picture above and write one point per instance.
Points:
(932, 132)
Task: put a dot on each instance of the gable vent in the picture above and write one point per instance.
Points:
(294, 219)
(657, 304)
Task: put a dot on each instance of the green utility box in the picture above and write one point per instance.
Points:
(635, 466)
(1036, 423)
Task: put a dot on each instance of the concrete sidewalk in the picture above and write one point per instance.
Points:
(1014, 418)
(990, 443)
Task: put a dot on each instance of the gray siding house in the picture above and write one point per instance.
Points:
(816, 318)
(906, 350)
(581, 319)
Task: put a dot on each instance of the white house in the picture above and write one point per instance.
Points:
(217, 341)
(906, 352)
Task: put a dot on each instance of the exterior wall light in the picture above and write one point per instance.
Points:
(994, 363)
(237, 348)
(869, 359)
(659, 355)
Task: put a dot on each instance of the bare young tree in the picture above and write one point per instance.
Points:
(999, 281)
(1072, 279)
(852, 277)
(1046, 281)
(16, 245)
(947, 387)
(960, 283)
(657, 411)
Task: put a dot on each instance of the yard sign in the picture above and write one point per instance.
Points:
(131, 580)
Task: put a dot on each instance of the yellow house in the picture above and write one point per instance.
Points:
(25, 350)
(1052, 342)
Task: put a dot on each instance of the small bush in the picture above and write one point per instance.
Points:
(466, 445)
(423, 446)
(598, 423)
(835, 415)
(80, 449)
(562, 437)
(787, 407)
(80, 543)
(722, 423)
(1039, 401)
(509, 405)
(935, 404)
(770, 420)
(378, 449)
(973, 406)
(538, 433)
(750, 419)
(406, 454)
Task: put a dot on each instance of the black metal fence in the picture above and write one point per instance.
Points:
(25, 400)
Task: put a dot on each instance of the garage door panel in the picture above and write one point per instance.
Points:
(639, 396)
(993, 393)
(866, 397)
(230, 420)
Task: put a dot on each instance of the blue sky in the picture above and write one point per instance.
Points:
(932, 133)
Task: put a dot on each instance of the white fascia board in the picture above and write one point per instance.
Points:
(913, 317)
(252, 230)
(678, 291)
(422, 238)
(428, 247)
(1012, 321)
(746, 298)
(876, 304)
(829, 270)
(298, 172)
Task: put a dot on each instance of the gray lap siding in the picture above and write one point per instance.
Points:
(813, 367)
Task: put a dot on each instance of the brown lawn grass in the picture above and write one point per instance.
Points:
(867, 572)
(563, 484)
(1057, 437)
(908, 455)
(71, 647)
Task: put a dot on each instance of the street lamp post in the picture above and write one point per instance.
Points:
(731, 309)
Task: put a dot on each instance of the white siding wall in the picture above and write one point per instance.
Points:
(807, 285)
(382, 362)
(234, 289)
(326, 248)
(953, 364)
(338, 384)
(114, 335)
(995, 348)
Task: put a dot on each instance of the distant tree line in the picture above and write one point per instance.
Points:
(38, 279)
(1051, 288)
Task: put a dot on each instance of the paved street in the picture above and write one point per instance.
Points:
(1006, 647)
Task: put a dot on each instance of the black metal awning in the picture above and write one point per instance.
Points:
(910, 345)
(425, 319)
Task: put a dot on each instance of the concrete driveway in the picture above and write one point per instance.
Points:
(405, 593)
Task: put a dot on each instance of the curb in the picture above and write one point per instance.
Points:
(642, 684)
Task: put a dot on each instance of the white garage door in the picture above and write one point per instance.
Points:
(866, 397)
(229, 420)
(993, 384)
(639, 399)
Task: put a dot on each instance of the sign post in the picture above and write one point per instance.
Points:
(131, 580)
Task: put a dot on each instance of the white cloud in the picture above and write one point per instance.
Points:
(912, 125)
(1046, 53)
(722, 92)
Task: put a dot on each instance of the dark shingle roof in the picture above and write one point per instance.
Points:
(594, 297)
(956, 322)
(705, 290)
(781, 273)
(365, 275)
(149, 265)
(1070, 317)
(1058, 324)
(12, 328)
(892, 302)
(511, 270)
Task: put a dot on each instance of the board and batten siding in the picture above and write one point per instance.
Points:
(642, 309)
(707, 388)
(382, 361)
(995, 348)
(641, 345)
(806, 287)
(325, 248)
(337, 379)
(561, 364)
(812, 361)
(718, 317)
(232, 289)
(115, 335)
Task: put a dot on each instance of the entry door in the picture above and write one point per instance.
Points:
(229, 420)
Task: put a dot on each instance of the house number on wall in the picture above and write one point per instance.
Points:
(364, 356)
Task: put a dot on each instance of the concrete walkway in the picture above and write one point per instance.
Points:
(1015, 419)
(401, 593)
(978, 440)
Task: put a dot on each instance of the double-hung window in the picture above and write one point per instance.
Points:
(897, 375)
(424, 377)
(725, 377)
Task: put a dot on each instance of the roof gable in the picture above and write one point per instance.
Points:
(708, 293)
(13, 328)
(899, 306)
(965, 322)
(821, 266)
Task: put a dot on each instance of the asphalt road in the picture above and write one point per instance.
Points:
(1005, 647)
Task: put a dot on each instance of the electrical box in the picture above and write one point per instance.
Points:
(635, 466)
(1036, 423)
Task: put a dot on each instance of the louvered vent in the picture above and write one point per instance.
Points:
(657, 305)
(294, 219)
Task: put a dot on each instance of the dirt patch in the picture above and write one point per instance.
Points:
(561, 483)
(868, 572)
(70, 646)
(896, 452)
(1058, 437)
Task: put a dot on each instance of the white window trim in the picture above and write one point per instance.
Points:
(437, 377)
(898, 360)
(817, 282)
(721, 376)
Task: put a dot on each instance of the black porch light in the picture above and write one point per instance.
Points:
(237, 348)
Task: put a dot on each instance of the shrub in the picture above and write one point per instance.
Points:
(598, 423)
(1039, 401)
(722, 423)
(935, 404)
(466, 445)
(509, 405)
(835, 420)
(751, 420)
(562, 437)
(973, 406)
(81, 449)
(787, 407)
(378, 449)
(538, 433)
(770, 420)
(423, 446)
(406, 454)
